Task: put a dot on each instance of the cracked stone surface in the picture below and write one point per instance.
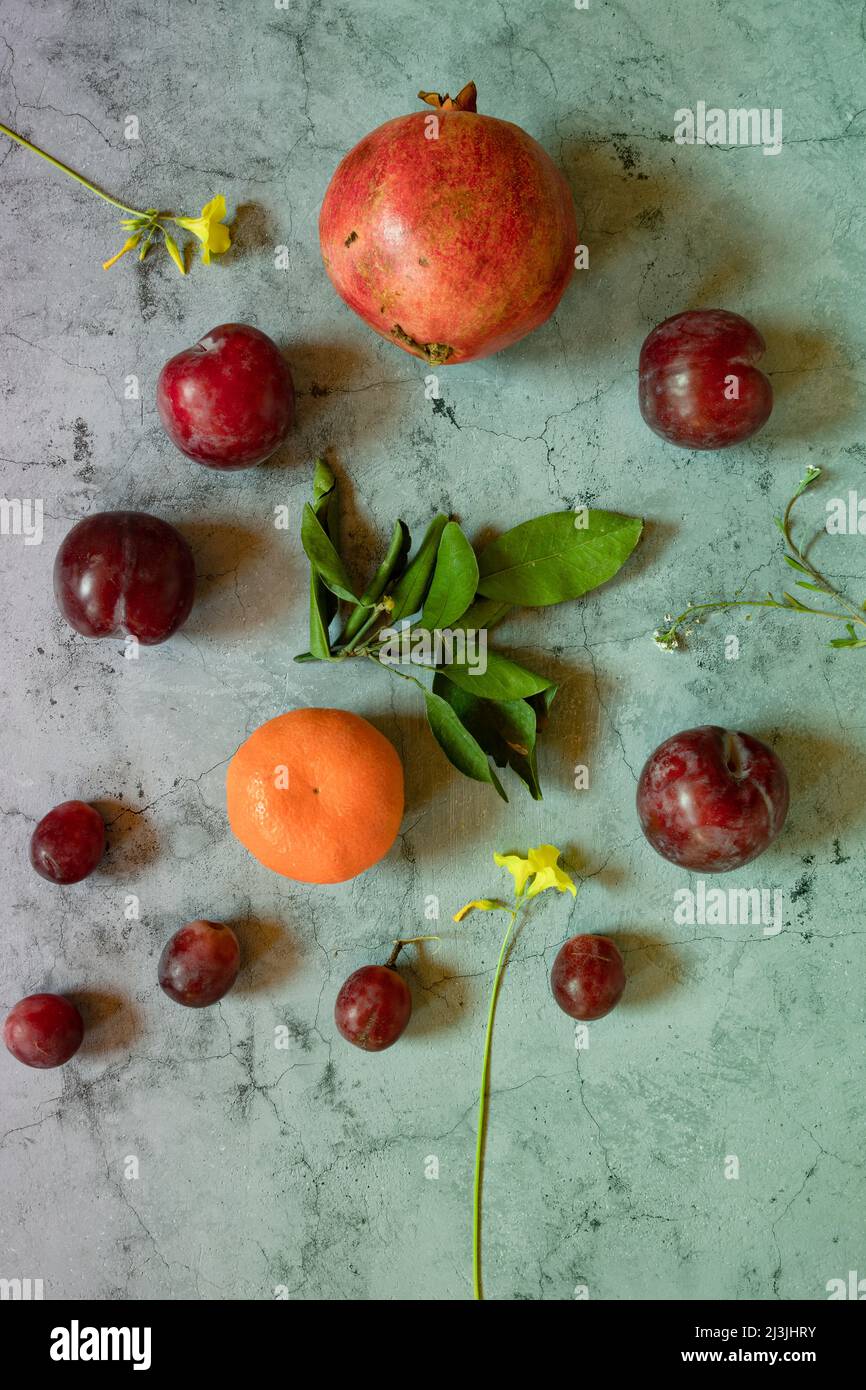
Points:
(302, 1169)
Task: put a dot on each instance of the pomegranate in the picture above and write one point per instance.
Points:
(451, 235)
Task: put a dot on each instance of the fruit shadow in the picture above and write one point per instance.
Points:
(639, 213)
(814, 386)
(111, 1021)
(252, 230)
(335, 396)
(440, 998)
(224, 553)
(653, 968)
(826, 779)
(131, 840)
(361, 546)
(269, 955)
(625, 203)
(426, 769)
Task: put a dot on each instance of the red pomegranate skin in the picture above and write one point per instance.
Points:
(228, 402)
(710, 799)
(453, 248)
(685, 365)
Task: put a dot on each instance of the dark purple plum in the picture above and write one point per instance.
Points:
(68, 843)
(710, 799)
(119, 573)
(588, 977)
(43, 1030)
(199, 964)
(373, 1007)
(699, 386)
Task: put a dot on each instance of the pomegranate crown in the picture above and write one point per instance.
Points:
(465, 99)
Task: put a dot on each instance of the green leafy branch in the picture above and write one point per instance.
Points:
(670, 638)
(483, 720)
(540, 870)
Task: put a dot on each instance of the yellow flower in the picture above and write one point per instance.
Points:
(127, 246)
(209, 228)
(541, 865)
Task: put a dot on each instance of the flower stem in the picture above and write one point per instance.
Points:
(64, 168)
(756, 603)
(482, 1111)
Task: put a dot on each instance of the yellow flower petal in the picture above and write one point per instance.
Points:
(547, 873)
(127, 246)
(172, 249)
(219, 239)
(520, 869)
(483, 905)
(208, 228)
(215, 210)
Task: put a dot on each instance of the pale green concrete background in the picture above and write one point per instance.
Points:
(306, 1168)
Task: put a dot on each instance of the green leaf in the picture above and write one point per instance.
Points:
(550, 559)
(543, 700)
(504, 729)
(812, 476)
(484, 613)
(398, 549)
(320, 639)
(323, 604)
(458, 745)
(455, 579)
(503, 680)
(322, 555)
(795, 564)
(324, 485)
(816, 588)
(412, 589)
(513, 722)
(791, 601)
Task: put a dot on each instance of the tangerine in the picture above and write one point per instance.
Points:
(316, 795)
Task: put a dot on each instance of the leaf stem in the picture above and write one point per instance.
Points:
(513, 912)
(65, 169)
(816, 574)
